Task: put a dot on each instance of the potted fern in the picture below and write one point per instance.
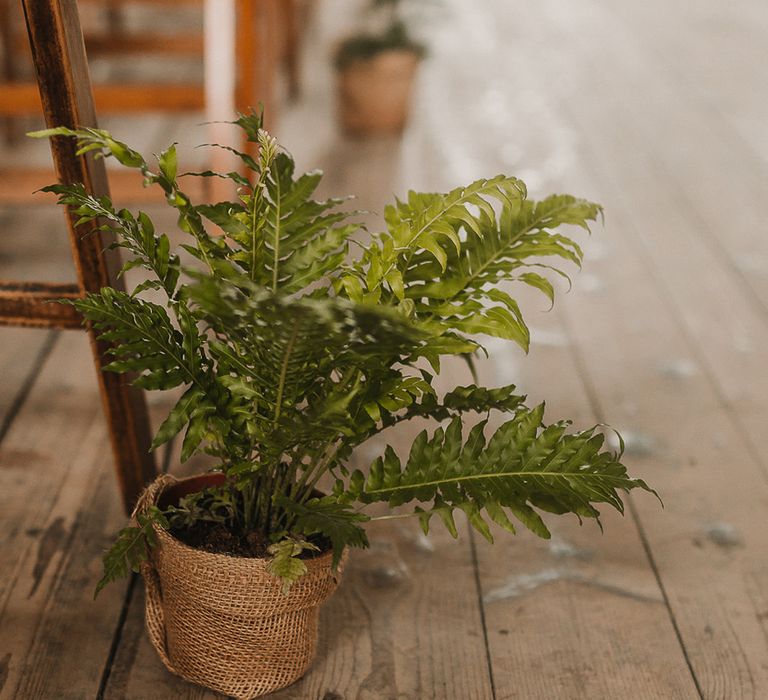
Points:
(376, 70)
(290, 352)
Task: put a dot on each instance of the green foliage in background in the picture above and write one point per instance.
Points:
(292, 346)
(394, 36)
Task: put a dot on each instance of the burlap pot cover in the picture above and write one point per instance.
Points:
(223, 621)
(375, 93)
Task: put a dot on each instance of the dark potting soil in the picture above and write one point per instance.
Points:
(217, 539)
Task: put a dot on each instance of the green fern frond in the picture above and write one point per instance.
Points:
(144, 340)
(524, 464)
(327, 517)
(149, 251)
(285, 563)
(131, 547)
(286, 351)
(211, 250)
(446, 254)
(286, 241)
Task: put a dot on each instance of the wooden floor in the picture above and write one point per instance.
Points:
(656, 109)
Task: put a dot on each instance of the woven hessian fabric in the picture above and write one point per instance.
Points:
(223, 621)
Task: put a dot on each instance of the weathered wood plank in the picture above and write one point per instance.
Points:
(692, 232)
(553, 606)
(59, 506)
(699, 287)
(21, 353)
(702, 68)
(705, 545)
(34, 305)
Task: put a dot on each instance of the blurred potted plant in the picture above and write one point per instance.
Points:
(376, 71)
(290, 354)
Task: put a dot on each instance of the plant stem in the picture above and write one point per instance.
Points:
(284, 372)
(247, 505)
(316, 471)
(276, 242)
(393, 516)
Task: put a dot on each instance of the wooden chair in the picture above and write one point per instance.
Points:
(263, 36)
(65, 92)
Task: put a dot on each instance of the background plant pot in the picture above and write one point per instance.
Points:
(223, 621)
(374, 93)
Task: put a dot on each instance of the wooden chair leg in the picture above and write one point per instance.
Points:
(65, 90)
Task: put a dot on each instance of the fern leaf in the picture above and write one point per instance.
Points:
(178, 417)
(131, 547)
(327, 517)
(446, 254)
(466, 298)
(462, 399)
(285, 563)
(143, 339)
(287, 240)
(150, 251)
(524, 463)
(296, 338)
(212, 250)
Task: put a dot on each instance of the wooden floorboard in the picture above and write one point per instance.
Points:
(60, 506)
(22, 353)
(693, 99)
(728, 333)
(554, 604)
(658, 111)
(705, 544)
(673, 350)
